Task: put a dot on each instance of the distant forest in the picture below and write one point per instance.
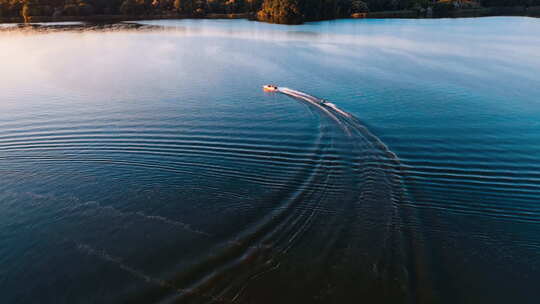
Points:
(277, 11)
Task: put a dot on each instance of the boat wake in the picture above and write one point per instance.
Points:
(337, 235)
(331, 231)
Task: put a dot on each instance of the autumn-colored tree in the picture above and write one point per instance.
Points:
(27, 12)
(281, 11)
(35, 8)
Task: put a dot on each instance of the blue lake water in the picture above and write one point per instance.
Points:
(148, 166)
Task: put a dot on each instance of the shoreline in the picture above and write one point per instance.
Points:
(533, 11)
(120, 18)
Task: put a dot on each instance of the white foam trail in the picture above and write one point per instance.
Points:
(332, 110)
(313, 100)
(329, 108)
(335, 108)
(350, 124)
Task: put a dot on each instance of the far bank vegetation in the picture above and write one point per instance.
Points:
(275, 11)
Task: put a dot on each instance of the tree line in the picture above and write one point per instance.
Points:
(277, 11)
(15, 8)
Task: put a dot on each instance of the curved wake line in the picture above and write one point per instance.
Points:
(329, 108)
(339, 115)
(390, 166)
(352, 126)
(371, 187)
(314, 100)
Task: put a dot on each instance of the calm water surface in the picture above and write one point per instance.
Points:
(148, 166)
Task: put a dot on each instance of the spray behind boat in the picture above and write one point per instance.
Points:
(305, 97)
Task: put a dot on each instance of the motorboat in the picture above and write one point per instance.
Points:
(270, 88)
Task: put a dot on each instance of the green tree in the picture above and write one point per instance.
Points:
(85, 8)
(132, 7)
(215, 6)
(71, 8)
(358, 6)
(184, 6)
(443, 8)
(3, 9)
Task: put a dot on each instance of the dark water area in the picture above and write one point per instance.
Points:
(147, 166)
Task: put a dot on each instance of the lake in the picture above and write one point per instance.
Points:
(147, 165)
